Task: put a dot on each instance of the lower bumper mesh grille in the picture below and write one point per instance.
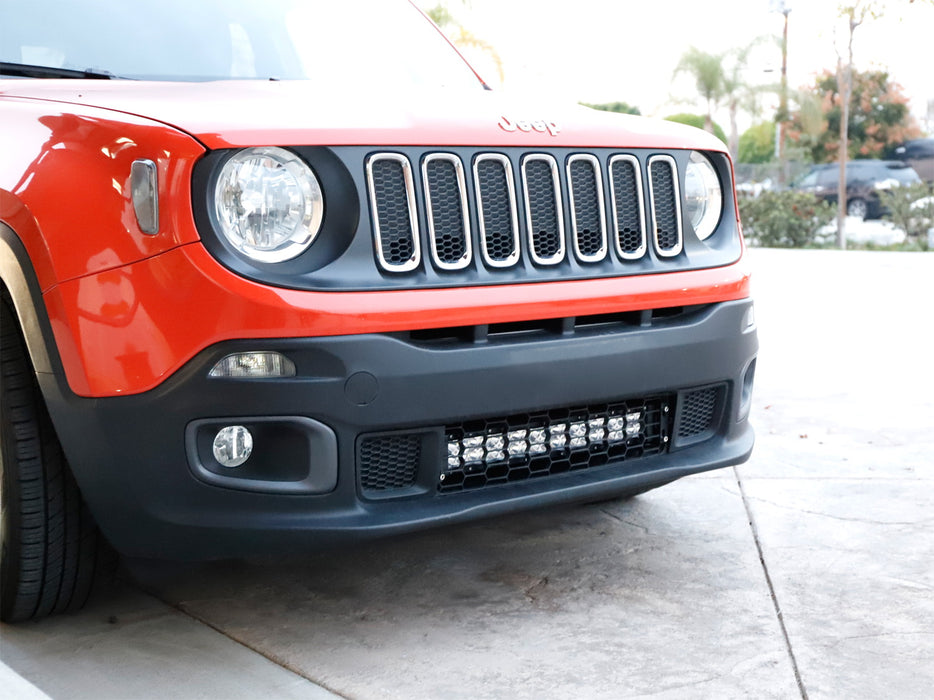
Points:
(488, 452)
(389, 462)
(699, 413)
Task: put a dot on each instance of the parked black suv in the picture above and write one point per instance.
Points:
(919, 154)
(864, 180)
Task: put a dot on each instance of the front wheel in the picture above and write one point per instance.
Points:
(858, 208)
(49, 540)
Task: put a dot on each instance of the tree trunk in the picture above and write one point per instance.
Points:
(845, 82)
(843, 79)
(734, 130)
(783, 108)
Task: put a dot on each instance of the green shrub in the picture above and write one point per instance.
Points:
(757, 144)
(785, 219)
(911, 208)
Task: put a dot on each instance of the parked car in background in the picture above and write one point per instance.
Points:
(919, 154)
(864, 180)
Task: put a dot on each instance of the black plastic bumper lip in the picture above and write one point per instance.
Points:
(130, 457)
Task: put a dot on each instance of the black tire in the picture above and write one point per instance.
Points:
(49, 540)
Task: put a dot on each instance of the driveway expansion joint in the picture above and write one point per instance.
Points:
(768, 581)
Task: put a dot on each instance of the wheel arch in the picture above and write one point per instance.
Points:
(19, 281)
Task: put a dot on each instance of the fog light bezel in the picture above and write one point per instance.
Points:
(291, 455)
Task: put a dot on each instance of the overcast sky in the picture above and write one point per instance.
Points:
(605, 50)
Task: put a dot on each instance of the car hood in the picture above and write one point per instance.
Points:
(245, 113)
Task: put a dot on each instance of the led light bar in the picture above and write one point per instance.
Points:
(477, 451)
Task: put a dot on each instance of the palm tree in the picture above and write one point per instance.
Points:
(708, 73)
(737, 92)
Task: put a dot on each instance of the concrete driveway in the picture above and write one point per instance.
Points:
(807, 572)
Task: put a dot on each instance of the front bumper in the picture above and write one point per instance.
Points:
(136, 458)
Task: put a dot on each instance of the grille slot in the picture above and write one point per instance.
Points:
(389, 462)
(392, 198)
(666, 205)
(496, 205)
(588, 216)
(446, 199)
(544, 213)
(628, 207)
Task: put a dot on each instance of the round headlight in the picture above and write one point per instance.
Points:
(703, 196)
(268, 204)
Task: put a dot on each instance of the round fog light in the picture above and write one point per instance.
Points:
(233, 446)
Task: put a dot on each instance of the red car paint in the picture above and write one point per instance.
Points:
(121, 329)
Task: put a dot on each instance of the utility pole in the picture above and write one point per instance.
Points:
(782, 117)
(782, 7)
(845, 83)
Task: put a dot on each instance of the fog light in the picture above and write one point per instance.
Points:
(254, 365)
(233, 446)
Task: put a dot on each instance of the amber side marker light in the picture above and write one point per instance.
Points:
(144, 188)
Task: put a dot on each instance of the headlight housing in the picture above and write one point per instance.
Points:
(703, 195)
(268, 204)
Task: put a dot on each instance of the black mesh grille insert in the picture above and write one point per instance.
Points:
(389, 461)
(544, 223)
(498, 215)
(630, 236)
(698, 410)
(396, 228)
(587, 195)
(446, 211)
(499, 451)
(665, 206)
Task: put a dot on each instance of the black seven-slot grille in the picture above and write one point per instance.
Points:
(487, 452)
(503, 204)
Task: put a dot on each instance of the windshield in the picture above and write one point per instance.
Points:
(326, 41)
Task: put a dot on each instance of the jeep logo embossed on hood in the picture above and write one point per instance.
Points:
(539, 125)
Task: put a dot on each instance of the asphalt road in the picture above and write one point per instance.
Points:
(806, 572)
